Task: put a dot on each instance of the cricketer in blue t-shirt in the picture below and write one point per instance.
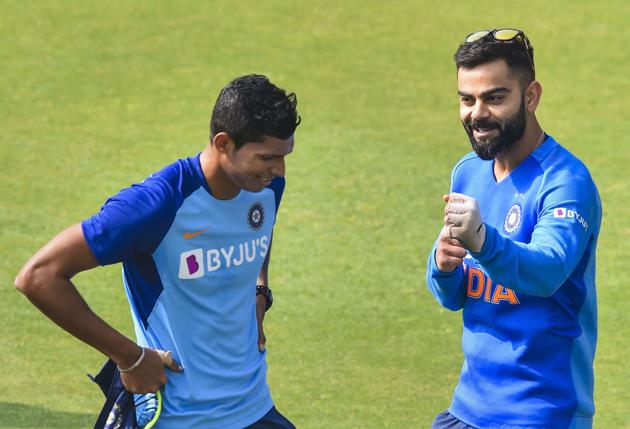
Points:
(194, 241)
(516, 252)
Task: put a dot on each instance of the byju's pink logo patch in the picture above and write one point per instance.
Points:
(191, 264)
(570, 214)
(560, 212)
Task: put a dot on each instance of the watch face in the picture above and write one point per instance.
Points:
(264, 290)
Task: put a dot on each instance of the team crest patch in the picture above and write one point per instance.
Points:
(256, 216)
(513, 218)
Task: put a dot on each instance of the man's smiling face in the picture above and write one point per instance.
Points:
(491, 107)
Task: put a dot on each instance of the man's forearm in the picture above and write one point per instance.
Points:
(59, 300)
(263, 275)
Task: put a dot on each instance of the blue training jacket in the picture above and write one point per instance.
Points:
(528, 296)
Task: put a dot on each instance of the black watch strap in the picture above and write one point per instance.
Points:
(264, 290)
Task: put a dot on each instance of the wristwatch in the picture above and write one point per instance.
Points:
(264, 290)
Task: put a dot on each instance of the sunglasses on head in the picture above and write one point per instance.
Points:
(508, 35)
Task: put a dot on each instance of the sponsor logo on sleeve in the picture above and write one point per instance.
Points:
(560, 212)
(564, 213)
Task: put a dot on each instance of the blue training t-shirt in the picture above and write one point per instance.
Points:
(190, 265)
(528, 297)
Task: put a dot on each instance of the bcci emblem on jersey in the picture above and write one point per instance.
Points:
(513, 218)
(256, 216)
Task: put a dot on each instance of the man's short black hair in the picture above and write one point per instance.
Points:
(519, 59)
(251, 107)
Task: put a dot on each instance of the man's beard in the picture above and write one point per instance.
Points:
(510, 131)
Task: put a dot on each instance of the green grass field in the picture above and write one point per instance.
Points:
(97, 95)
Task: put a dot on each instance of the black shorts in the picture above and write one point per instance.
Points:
(272, 420)
(446, 420)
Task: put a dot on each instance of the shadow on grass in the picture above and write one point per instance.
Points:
(14, 415)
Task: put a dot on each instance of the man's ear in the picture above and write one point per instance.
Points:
(533, 93)
(223, 143)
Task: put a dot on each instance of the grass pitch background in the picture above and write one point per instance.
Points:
(96, 96)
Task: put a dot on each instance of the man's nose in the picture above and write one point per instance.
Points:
(479, 111)
(278, 169)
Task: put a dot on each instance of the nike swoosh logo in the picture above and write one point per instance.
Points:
(188, 235)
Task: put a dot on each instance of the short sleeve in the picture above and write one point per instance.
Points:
(134, 221)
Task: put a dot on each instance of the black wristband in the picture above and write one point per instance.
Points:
(264, 290)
